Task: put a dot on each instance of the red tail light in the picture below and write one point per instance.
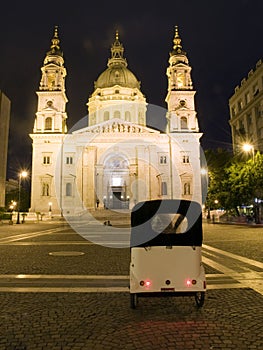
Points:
(146, 283)
(188, 283)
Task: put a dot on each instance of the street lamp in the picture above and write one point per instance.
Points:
(50, 208)
(247, 147)
(23, 174)
(12, 205)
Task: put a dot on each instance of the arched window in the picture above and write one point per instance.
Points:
(68, 189)
(106, 116)
(128, 116)
(117, 114)
(141, 117)
(48, 123)
(184, 123)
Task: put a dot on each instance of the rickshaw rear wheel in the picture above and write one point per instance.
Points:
(199, 298)
(133, 300)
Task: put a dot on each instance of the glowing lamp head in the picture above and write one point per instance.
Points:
(247, 147)
(23, 174)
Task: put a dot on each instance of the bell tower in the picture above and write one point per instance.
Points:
(51, 110)
(49, 133)
(181, 115)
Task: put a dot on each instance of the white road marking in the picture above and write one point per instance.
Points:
(249, 279)
(234, 256)
(21, 236)
(29, 279)
(99, 277)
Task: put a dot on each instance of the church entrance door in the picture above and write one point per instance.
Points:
(117, 200)
(116, 181)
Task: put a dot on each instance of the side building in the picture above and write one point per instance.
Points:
(112, 159)
(5, 106)
(246, 111)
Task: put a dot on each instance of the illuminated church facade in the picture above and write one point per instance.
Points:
(113, 160)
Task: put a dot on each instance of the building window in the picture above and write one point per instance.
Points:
(106, 116)
(183, 121)
(187, 188)
(69, 160)
(141, 117)
(163, 160)
(257, 111)
(127, 116)
(255, 89)
(48, 123)
(233, 111)
(247, 97)
(68, 189)
(117, 114)
(185, 159)
(45, 189)
(240, 105)
(180, 80)
(164, 188)
(46, 160)
(249, 120)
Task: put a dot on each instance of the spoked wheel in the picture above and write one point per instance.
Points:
(199, 298)
(134, 300)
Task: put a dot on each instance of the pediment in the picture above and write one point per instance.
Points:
(182, 108)
(49, 109)
(117, 125)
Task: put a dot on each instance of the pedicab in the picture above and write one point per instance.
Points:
(166, 246)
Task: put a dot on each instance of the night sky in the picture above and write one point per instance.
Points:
(223, 41)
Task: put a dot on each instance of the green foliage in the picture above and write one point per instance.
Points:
(233, 181)
(5, 216)
(217, 162)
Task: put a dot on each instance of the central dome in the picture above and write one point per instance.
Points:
(117, 75)
(117, 72)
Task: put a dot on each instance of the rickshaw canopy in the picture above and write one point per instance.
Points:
(167, 222)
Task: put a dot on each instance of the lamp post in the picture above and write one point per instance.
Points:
(23, 174)
(50, 209)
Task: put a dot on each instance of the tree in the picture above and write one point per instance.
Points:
(233, 181)
(217, 161)
(244, 183)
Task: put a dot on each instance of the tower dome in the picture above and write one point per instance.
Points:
(117, 72)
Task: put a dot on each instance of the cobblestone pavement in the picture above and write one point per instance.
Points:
(231, 318)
